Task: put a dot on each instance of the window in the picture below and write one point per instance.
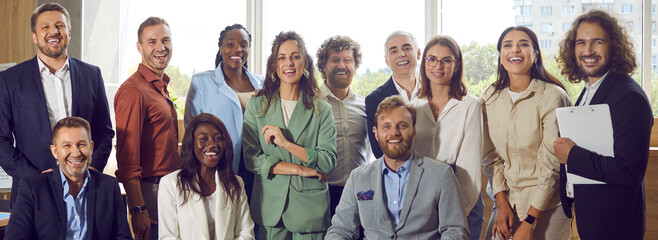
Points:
(653, 42)
(546, 11)
(653, 8)
(568, 10)
(629, 26)
(566, 26)
(524, 10)
(626, 8)
(546, 44)
(315, 26)
(546, 28)
(653, 26)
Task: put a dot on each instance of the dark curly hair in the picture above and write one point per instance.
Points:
(337, 43)
(188, 177)
(307, 84)
(621, 58)
(457, 87)
(536, 72)
(222, 34)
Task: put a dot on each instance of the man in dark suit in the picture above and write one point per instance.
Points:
(36, 93)
(402, 55)
(598, 50)
(71, 202)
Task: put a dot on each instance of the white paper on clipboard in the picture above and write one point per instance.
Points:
(590, 127)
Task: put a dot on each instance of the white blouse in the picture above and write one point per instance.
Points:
(455, 138)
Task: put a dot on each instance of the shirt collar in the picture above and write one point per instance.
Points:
(43, 67)
(325, 92)
(65, 184)
(150, 76)
(413, 93)
(405, 166)
(596, 84)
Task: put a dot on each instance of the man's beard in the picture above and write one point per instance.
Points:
(397, 152)
(50, 53)
(340, 83)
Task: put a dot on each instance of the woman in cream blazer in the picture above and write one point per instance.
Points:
(289, 142)
(205, 199)
(520, 115)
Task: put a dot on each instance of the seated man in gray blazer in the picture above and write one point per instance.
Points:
(401, 195)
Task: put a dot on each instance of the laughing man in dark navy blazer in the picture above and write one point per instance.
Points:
(72, 201)
(36, 93)
(402, 55)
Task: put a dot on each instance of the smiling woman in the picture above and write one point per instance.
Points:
(289, 142)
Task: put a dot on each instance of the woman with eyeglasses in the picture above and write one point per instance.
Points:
(449, 123)
(520, 115)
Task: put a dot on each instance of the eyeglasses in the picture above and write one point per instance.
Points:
(445, 62)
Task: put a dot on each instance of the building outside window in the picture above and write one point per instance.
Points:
(546, 44)
(546, 11)
(626, 9)
(568, 10)
(566, 26)
(547, 27)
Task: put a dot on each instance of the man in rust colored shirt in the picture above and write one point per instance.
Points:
(147, 128)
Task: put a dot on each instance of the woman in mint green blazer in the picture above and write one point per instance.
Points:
(289, 142)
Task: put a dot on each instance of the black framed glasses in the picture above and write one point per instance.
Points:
(445, 62)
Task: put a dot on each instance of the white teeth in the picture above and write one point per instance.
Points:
(211, 154)
(236, 57)
(53, 40)
(589, 60)
(515, 59)
(402, 63)
(160, 55)
(289, 71)
(393, 141)
(341, 73)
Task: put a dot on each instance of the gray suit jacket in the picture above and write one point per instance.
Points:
(431, 209)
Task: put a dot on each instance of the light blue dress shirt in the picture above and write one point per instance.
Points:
(209, 93)
(395, 184)
(76, 209)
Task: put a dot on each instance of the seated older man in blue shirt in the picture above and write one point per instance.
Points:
(401, 195)
(72, 201)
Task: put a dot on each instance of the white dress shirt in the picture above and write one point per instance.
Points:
(351, 133)
(403, 93)
(455, 138)
(57, 90)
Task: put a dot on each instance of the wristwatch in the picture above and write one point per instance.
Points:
(529, 219)
(137, 209)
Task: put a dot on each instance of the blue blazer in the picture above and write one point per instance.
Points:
(24, 117)
(372, 101)
(615, 210)
(40, 211)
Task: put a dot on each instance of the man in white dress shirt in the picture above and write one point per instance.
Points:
(338, 59)
(37, 93)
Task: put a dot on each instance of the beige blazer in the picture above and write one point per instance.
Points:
(189, 221)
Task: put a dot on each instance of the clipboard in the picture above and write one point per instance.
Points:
(590, 127)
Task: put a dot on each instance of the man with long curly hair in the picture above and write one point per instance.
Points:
(600, 52)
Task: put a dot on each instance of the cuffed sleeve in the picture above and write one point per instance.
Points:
(129, 116)
(244, 229)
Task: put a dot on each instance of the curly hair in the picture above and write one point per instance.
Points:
(222, 34)
(337, 43)
(307, 84)
(621, 57)
(537, 71)
(457, 87)
(188, 177)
